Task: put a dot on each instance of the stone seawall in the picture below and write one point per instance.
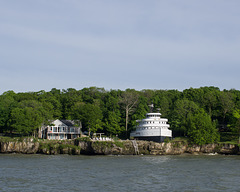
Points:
(77, 147)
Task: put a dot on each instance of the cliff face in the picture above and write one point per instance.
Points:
(152, 148)
(28, 146)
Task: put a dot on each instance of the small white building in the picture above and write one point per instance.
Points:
(60, 130)
(152, 128)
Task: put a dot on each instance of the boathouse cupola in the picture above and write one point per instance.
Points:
(153, 115)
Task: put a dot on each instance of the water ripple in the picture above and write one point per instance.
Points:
(118, 173)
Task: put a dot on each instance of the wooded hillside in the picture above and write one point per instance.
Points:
(197, 113)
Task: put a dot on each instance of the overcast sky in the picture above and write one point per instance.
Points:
(119, 44)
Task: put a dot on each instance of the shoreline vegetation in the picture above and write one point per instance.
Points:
(202, 115)
(86, 146)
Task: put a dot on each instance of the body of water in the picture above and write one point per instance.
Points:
(119, 173)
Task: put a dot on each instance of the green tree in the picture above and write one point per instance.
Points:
(129, 100)
(178, 120)
(195, 95)
(7, 103)
(26, 120)
(140, 112)
(201, 129)
(69, 98)
(210, 99)
(91, 93)
(51, 103)
(226, 103)
(163, 104)
(236, 124)
(28, 116)
(91, 117)
(112, 124)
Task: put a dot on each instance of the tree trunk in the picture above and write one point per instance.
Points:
(126, 126)
(89, 129)
(210, 111)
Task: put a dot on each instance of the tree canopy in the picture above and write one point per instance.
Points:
(195, 113)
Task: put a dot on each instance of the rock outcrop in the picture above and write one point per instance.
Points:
(152, 148)
(58, 147)
(126, 147)
(27, 146)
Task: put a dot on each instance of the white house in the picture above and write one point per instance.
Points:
(60, 130)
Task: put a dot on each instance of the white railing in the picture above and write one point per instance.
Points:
(66, 132)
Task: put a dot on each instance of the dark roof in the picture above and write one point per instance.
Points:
(69, 123)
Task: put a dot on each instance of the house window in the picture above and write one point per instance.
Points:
(54, 129)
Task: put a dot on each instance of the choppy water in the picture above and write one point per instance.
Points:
(119, 173)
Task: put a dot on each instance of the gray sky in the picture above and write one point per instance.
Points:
(140, 44)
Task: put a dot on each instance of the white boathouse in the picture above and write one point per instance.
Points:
(152, 128)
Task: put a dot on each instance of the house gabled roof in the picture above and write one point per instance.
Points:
(69, 123)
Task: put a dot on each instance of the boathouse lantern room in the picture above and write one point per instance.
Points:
(153, 115)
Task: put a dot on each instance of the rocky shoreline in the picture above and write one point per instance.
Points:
(126, 147)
